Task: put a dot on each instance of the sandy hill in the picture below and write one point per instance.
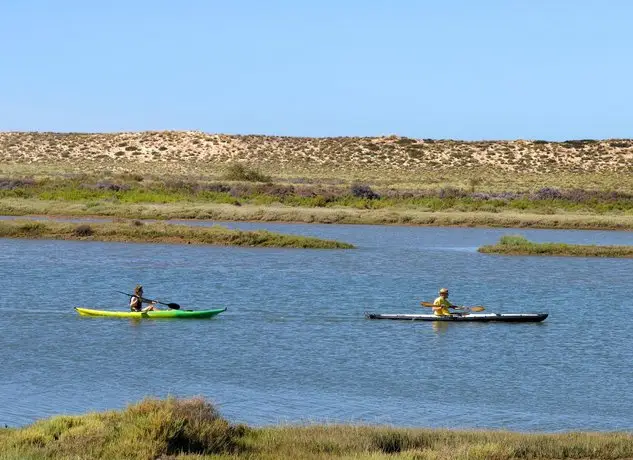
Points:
(391, 153)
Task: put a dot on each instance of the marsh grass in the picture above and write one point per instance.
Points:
(159, 232)
(192, 428)
(519, 245)
(325, 193)
(545, 200)
(146, 430)
(326, 215)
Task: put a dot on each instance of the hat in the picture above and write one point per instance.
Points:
(443, 291)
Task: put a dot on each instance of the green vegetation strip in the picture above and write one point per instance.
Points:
(584, 201)
(519, 245)
(158, 232)
(192, 428)
(127, 190)
(277, 213)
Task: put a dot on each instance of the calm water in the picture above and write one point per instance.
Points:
(294, 345)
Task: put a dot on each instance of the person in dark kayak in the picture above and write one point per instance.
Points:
(136, 301)
(442, 304)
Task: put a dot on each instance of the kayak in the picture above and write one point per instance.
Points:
(151, 314)
(479, 317)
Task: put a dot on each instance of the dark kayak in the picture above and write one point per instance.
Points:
(478, 317)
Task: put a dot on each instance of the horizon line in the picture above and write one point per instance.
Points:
(382, 136)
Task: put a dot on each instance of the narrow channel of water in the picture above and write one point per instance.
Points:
(294, 345)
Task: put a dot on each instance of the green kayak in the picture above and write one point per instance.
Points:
(151, 314)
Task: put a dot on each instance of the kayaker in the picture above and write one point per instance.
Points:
(442, 304)
(136, 301)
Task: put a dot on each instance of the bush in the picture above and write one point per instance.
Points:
(83, 230)
(215, 187)
(180, 185)
(239, 172)
(513, 240)
(150, 429)
(32, 228)
(363, 191)
(106, 185)
(580, 142)
(451, 192)
(405, 141)
(278, 191)
(548, 193)
(10, 184)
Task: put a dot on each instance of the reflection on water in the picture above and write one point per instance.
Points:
(440, 326)
(294, 345)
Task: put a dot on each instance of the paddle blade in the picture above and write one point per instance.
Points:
(173, 306)
(476, 308)
(427, 304)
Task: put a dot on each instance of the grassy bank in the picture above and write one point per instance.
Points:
(519, 245)
(277, 213)
(192, 428)
(242, 196)
(250, 187)
(137, 231)
(435, 192)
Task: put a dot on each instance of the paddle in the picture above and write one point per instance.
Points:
(171, 305)
(476, 308)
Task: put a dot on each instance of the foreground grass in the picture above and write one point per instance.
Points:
(192, 428)
(519, 245)
(137, 231)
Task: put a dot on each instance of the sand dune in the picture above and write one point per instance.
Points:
(390, 153)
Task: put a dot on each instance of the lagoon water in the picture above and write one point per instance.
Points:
(294, 347)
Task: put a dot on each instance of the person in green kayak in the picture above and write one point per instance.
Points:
(136, 301)
(442, 305)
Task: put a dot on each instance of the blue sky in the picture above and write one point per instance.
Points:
(505, 69)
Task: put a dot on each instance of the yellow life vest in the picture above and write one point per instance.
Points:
(441, 307)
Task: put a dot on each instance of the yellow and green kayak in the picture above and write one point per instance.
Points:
(154, 314)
